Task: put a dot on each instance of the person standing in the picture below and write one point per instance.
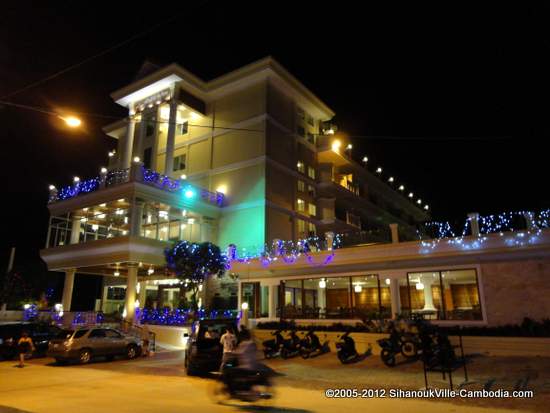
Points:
(229, 341)
(24, 347)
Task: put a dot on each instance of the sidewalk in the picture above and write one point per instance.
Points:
(492, 373)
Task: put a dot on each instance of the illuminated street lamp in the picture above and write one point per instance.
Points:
(71, 121)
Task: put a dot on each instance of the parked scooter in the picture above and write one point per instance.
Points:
(291, 347)
(272, 348)
(346, 351)
(391, 346)
(311, 346)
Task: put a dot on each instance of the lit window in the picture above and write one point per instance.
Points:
(301, 186)
(300, 204)
(311, 172)
(181, 128)
(179, 162)
(312, 231)
(312, 209)
(301, 167)
(311, 190)
(301, 228)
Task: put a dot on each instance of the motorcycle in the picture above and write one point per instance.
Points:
(390, 346)
(346, 351)
(272, 348)
(291, 347)
(311, 346)
(242, 385)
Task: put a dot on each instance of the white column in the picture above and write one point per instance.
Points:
(272, 297)
(140, 137)
(321, 301)
(395, 298)
(126, 155)
(130, 300)
(142, 297)
(171, 138)
(75, 230)
(104, 297)
(394, 233)
(474, 223)
(136, 218)
(68, 289)
(428, 297)
(239, 295)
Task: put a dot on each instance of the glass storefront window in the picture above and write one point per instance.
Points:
(425, 294)
(366, 295)
(338, 296)
(293, 299)
(444, 295)
(461, 295)
(250, 295)
(107, 220)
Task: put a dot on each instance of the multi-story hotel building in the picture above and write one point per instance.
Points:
(248, 158)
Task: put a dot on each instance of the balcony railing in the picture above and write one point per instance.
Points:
(135, 174)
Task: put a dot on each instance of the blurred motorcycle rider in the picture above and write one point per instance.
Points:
(247, 361)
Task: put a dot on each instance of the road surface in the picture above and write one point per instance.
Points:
(159, 385)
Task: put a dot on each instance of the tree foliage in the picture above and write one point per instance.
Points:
(193, 263)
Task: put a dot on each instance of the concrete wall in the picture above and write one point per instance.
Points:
(516, 289)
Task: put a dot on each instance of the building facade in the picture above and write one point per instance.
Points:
(243, 159)
(484, 280)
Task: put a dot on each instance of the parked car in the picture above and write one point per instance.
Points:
(85, 343)
(40, 333)
(203, 353)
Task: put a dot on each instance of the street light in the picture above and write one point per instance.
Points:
(71, 121)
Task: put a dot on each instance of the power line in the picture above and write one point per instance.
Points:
(95, 56)
(370, 137)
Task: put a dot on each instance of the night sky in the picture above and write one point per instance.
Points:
(452, 100)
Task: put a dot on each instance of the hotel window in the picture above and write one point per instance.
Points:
(147, 155)
(150, 127)
(292, 298)
(311, 190)
(250, 293)
(300, 114)
(311, 172)
(311, 229)
(301, 228)
(311, 138)
(444, 295)
(338, 297)
(301, 186)
(301, 131)
(312, 209)
(301, 167)
(179, 162)
(181, 128)
(300, 205)
(370, 297)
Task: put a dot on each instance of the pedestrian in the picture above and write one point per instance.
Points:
(24, 347)
(229, 342)
(145, 340)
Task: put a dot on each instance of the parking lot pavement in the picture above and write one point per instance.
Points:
(159, 384)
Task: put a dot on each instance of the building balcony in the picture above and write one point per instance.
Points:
(124, 205)
(328, 152)
(137, 173)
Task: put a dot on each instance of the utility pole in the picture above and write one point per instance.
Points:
(10, 266)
